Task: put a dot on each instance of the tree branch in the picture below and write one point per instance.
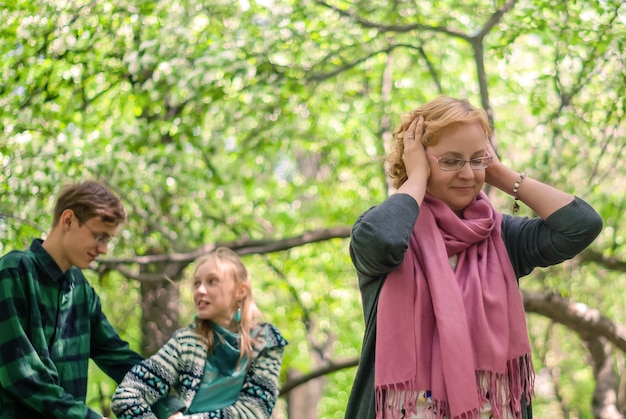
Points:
(320, 372)
(579, 317)
(394, 28)
(177, 261)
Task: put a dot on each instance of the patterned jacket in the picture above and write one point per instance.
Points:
(178, 366)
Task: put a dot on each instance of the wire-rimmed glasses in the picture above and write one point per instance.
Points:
(100, 238)
(455, 163)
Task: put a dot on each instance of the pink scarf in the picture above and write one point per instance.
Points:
(439, 328)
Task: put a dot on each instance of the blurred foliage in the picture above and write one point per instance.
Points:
(222, 120)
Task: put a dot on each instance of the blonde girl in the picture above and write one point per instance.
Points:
(225, 364)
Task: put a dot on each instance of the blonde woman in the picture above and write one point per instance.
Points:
(225, 364)
(438, 270)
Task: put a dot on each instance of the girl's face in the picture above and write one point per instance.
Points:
(457, 188)
(216, 294)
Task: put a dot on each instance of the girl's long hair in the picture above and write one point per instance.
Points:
(229, 264)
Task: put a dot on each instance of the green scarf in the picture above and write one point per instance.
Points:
(226, 350)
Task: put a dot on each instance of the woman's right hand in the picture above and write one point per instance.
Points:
(414, 155)
(415, 161)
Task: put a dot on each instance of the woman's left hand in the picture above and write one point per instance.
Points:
(490, 173)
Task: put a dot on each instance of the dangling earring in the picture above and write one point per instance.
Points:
(237, 316)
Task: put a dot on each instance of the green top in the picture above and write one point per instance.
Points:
(52, 323)
(380, 238)
(224, 373)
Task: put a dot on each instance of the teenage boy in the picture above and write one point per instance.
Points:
(51, 319)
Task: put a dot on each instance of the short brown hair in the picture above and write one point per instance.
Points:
(438, 114)
(90, 199)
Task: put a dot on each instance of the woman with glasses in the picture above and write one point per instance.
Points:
(438, 271)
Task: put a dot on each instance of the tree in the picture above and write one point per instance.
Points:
(261, 126)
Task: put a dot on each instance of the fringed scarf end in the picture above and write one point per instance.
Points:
(507, 390)
(394, 402)
(398, 401)
(528, 376)
(442, 411)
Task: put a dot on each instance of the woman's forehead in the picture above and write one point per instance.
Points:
(462, 138)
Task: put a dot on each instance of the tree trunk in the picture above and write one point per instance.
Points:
(302, 400)
(159, 306)
(159, 320)
(604, 402)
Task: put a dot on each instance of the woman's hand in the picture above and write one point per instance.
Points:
(176, 415)
(494, 170)
(540, 197)
(415, 161)
(414, 156)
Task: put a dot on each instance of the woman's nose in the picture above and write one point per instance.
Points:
(466, 171)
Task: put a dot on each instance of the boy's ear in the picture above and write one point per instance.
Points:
(66, 218)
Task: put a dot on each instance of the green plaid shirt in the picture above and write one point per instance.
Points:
(51, 323)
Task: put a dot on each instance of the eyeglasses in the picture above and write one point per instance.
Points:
(453, 163)
(100, 238)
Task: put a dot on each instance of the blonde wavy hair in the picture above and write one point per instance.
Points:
(438, 114)
(229, 264)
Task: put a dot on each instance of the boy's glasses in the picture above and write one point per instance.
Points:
(100, 238)
(454, 163)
